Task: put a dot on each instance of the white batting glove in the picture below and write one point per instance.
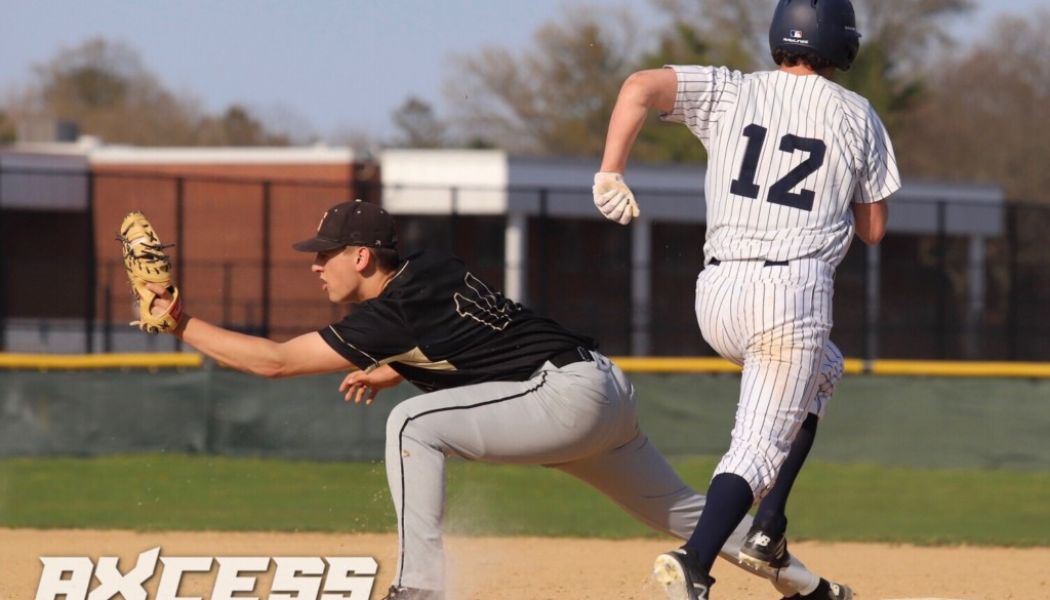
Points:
(613, 198)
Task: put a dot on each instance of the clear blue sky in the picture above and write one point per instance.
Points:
(339, 64)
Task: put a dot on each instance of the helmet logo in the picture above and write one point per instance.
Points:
(826, 28)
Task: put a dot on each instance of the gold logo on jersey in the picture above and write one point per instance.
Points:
(487, 306)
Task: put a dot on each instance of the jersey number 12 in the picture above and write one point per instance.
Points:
(780, 192)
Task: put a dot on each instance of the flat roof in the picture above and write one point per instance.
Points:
(99, 153)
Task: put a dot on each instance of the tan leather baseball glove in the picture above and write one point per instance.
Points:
(146, 263)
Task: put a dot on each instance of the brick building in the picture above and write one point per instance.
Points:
(233, 214)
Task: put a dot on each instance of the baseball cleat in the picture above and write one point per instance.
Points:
(402, 593)
(680, 580)
(763, 551)
(826, 590)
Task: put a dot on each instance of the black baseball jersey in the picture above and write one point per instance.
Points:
(439, 327)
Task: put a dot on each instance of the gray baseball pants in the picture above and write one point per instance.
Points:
(579, 418)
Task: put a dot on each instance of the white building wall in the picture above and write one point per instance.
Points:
(444, 181)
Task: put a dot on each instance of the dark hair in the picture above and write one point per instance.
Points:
(387, 259)
(793, 59)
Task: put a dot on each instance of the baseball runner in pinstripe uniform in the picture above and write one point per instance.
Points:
(796, 166)
(500, 384)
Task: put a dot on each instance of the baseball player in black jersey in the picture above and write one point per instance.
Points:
(501, 384)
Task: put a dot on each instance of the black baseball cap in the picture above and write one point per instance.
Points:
(354, 223)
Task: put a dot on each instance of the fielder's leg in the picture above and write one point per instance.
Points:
(560, 415)
(765, 546)
(638, 478)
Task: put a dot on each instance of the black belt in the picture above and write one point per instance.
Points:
(570, 356)
(714, 262)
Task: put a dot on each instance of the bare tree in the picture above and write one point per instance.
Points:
(105, 88)
(284, 121)
(987, 116)
(898, 36)
(7, 129)
(364, 143)
(237, 126)
(738, 32)
(418, 125)
(734, 34)
(554, 97)
(909, 29)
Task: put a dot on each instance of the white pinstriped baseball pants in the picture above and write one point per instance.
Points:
(579, 419)
(774, 321)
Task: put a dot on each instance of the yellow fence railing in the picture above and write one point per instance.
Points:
(960, 368)
(928, 368)
(635, 364)
(77, 362)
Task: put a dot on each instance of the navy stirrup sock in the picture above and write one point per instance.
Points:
(728, 499)
(771, 515)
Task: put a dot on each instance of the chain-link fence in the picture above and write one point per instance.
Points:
(937, 294)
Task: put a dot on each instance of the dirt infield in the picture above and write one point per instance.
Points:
(555, 568)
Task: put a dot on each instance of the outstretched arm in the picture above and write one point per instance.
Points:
(303, 355)
(642, 91)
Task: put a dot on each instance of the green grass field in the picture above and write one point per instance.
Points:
(830, 502)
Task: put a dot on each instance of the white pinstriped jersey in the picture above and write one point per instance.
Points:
(786, 156)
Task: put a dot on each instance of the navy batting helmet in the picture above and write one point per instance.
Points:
(826, 28)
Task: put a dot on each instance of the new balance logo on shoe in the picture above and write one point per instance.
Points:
(763, 551)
